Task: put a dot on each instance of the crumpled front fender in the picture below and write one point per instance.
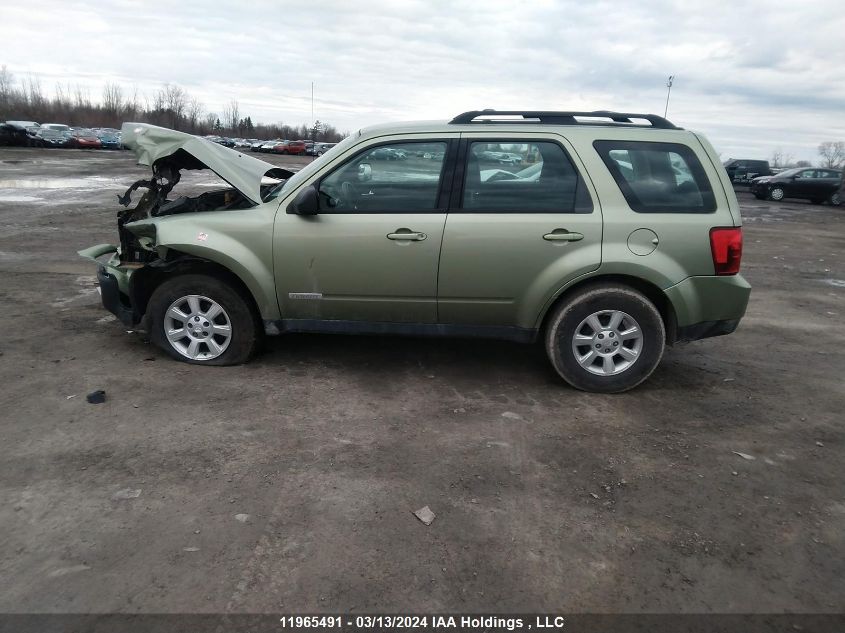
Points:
(112, 265)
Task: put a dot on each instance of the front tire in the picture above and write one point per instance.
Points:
(605, 339)
(835, 200)
(203, 320)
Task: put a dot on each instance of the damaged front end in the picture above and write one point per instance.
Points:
(168, 153)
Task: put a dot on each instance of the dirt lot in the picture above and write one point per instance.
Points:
(289, 484)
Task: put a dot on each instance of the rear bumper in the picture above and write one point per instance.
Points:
(113, 299)
(708, 306)
(705, 330)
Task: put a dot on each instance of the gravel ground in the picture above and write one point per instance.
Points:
(289, 484)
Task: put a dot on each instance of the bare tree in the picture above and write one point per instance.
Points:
(832, 153)
(780, 158)
(231, 116)
(7, 88)
(210, 120)
(113, 103)
(131, 107)
(194, 112)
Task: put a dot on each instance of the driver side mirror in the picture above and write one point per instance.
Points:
(306, 202)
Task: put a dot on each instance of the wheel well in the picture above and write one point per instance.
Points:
(145, 280)
(652, 293)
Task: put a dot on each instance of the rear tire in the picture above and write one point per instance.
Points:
(777, 194)
(616, 354)
(203, 320)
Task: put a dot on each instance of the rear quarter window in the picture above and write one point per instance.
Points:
(658, 177)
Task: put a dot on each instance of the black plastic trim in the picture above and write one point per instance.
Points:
(337, 326)
(112, 298)
(705, 329)
(563, 118)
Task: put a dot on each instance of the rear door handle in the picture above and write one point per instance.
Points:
(562, 235)
(406, 235)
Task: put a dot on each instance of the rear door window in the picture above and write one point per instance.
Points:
(658, 177)
(520, 176)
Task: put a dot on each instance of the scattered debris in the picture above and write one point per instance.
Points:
(126, 493)
(96, 397)
(459, 410)
(69, 397)
(67, 570)
(594, 495)
(750, 458)
(734, 473)
(728, 379)
(243, 518)
(511, 415)
(425, 515)
(819, 443)
(190, 549)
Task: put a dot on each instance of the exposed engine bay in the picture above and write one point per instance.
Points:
(154, 201)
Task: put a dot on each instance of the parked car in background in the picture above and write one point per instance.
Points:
(742, 171)
(322, 148)
(815, 184)
(27, 125)
(269, 146)
(48, 137)
(109, 139)
(84, 138)
(60, 127)
(296, 148)
(15, 135)
(388, 153)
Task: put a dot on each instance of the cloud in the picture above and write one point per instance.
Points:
(752, 75)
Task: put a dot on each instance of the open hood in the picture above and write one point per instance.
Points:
(153, 145)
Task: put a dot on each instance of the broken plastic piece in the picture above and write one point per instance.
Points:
(425, 515)
(96, 397)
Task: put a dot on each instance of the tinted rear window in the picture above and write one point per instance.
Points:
(658, 177)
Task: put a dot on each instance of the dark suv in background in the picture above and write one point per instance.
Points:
(743, 171)
(815, 184)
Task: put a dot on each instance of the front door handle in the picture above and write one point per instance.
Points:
(562, 235)
(407, 235)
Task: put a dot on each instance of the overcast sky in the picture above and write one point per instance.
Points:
(753, 76)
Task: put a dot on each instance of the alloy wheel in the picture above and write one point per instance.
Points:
(197, 327)
(607, 342)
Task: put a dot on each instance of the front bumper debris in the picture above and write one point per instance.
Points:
(113, 299)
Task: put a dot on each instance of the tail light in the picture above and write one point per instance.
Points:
(726, 247)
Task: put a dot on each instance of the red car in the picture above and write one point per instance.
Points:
(290, 147)
(85, 139)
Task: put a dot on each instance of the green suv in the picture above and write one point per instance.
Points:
(606, 235)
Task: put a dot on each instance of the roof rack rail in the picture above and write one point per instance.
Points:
(562, 118)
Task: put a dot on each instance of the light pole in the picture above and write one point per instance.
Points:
(668, 92)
